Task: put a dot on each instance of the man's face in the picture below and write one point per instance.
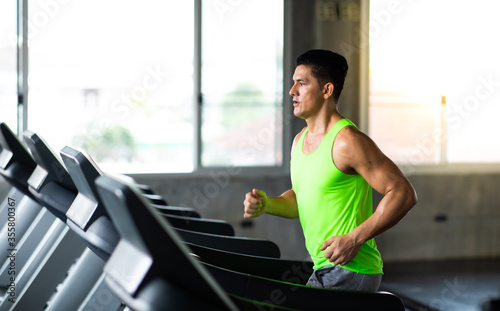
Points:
(306, 92)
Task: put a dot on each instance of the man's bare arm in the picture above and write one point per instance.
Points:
(257, 203)
(356, 153)
(386, 178)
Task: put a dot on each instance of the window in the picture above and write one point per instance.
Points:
(118, 78)
(435, 81)
(242, 84)
(8, 68)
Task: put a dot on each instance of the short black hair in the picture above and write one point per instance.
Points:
(326, 66)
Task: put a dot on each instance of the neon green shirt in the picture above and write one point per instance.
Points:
(331, 202)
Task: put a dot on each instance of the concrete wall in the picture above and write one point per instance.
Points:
(222, 198)
(458, 215)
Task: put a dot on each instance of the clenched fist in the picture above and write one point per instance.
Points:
(255, 203)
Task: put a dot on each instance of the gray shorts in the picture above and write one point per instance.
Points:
(336, 277)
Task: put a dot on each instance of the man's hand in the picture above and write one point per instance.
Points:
(340, 249)
(255, 203)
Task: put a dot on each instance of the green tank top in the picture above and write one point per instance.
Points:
(331, 202)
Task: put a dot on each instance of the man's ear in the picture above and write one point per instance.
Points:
(328, 90)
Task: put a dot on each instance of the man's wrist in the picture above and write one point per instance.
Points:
(358, 236)
(267, 204)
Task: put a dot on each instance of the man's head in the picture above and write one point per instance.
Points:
(326, 66)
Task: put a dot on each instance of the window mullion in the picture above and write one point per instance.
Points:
(197, 99)
(22, 65)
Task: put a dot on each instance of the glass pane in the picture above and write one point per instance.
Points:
(116, 79)
(242, 83)
(402, 127)
(422, 56)
(473, 82)
(8, 64)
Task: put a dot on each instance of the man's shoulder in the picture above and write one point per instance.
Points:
(350, 133)
(350, 144)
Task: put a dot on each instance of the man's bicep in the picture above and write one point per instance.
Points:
(384, 176)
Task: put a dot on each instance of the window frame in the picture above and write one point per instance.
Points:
(442, 167)
(198, 168)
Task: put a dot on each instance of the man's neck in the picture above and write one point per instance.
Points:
(323, 121)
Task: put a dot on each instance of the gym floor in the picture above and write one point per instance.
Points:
(444, 285)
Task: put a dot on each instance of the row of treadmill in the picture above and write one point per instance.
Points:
(74, 237)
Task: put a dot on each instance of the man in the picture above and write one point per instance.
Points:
(333, 169)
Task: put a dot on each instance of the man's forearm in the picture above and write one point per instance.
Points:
(392, 208)
(284, 205)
